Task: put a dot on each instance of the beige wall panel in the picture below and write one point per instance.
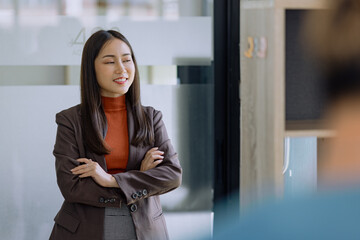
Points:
(278, 95)
(261, 111)
(301, 4)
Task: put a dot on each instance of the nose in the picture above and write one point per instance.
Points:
(120, 68)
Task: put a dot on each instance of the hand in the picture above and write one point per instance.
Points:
(93, 169)
(153, 157)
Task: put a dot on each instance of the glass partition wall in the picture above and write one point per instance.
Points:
(41, 43)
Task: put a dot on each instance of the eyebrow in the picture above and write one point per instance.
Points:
(125, 54)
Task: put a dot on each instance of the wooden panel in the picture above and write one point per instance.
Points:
(322, 156)
(278, 94)
(308, 128)
(262, 122)
(263, 101)
(302, 4)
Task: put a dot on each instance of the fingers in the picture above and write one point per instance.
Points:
(84, 160)
(151, 150)
(154, 154)
(154, 164)
(157, 162)
(84, 175)
(84, 168)
(149, 165)
(81, 167)
(153, 157)
(154, 150)
(158, 153)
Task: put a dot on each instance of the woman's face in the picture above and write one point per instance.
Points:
(114, 68)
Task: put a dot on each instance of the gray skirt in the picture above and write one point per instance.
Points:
(118, 224)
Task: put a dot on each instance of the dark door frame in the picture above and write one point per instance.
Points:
(227, 111)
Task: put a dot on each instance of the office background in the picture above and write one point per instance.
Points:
(242, 138)
(41, 43)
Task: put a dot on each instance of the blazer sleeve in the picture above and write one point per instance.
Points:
(136, 185)
(73, 188)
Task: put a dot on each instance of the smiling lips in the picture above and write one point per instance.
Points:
(120, 80)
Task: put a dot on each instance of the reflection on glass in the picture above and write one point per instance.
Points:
(59, 40)
(133, 8)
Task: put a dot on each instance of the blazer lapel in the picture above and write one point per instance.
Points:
(132, 162)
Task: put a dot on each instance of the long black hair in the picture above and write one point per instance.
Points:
(92, 113)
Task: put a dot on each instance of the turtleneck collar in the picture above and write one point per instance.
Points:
(113, 103)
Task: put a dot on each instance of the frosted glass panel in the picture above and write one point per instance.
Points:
(32, 75)
(30, 197)
(301, 173)
(58, 40)
(188, 111)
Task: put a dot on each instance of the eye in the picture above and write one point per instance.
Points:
(127, 60)
(109, 62)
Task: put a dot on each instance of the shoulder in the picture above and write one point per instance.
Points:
(71, 114)
(153, 113)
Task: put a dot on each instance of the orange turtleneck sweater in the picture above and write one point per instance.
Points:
(117, 137)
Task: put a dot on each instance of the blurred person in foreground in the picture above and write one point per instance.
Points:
(333, 37)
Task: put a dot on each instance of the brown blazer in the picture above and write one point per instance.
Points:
(82, 213)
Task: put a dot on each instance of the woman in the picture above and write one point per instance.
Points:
(113, 156)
